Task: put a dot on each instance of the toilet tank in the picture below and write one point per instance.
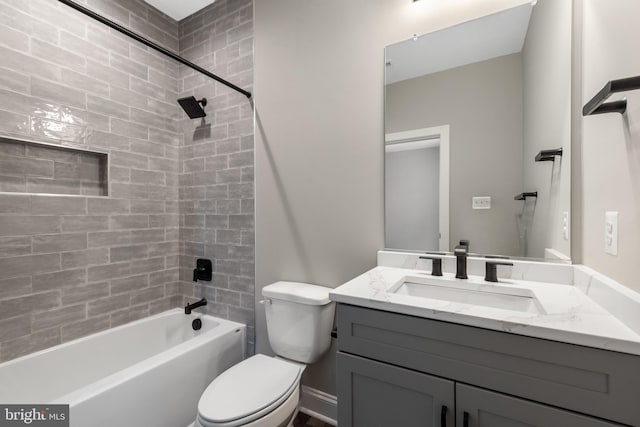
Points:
(299, 320)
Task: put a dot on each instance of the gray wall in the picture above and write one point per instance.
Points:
(482, 103)
(412, 178)
(319, 137)
(547, 122)
(216, 161)
(70, 266)
(611, 158)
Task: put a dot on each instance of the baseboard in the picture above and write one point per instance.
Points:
(319, 405)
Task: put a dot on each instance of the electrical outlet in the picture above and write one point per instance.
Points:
(565, 225)
(481, 202)
(611, 233)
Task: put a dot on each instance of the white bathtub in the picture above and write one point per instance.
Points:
(148, 373)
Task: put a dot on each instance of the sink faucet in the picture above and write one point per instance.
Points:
(189, 307)
(461, 252)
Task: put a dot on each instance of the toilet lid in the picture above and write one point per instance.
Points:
(248, 390)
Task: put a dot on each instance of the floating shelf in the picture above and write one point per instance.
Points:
(525, 196)
(597, 104)
(548, 155)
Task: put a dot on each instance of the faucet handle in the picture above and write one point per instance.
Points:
(203, 270)
(491, 270)
(436, 264)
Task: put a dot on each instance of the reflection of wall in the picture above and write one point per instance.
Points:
(611, 142)
(483, 104)
(547, 119)
(411, 198)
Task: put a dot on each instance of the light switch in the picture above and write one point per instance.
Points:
(565, 225)
(481, 202)
(611, 233)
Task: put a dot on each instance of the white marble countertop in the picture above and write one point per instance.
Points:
(566, 314)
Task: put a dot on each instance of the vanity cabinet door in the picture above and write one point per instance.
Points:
(374, 394)
(476, 407)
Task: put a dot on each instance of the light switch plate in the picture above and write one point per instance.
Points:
(565, 225)
(481, 202)
(611, 233)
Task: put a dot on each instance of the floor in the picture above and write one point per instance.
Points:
(304, 420)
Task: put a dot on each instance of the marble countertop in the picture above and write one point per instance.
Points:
(566, 314)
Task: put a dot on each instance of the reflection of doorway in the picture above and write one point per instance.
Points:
(417, 189)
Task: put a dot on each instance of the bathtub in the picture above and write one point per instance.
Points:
(148, 373)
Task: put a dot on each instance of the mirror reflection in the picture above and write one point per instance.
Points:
(477, 135)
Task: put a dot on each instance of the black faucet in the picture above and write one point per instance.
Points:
(461, 252)
(189, 307)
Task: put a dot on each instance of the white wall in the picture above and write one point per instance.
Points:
(611, 142)
(547, 122)
(319, 136)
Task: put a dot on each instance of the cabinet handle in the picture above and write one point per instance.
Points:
(465, 421)
(443, 416)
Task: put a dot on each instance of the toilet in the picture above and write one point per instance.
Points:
(264, 391)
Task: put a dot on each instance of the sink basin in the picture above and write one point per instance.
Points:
(467, 292)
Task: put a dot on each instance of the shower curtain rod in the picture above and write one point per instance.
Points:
(151, 44)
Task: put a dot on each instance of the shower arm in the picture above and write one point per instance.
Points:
(90, 13)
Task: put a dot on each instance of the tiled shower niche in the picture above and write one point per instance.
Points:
(38, 168)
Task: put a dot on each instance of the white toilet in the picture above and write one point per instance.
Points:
(263, 391)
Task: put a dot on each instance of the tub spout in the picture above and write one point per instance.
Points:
(189, 307)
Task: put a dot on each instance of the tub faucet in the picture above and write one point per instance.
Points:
(461, 252)
(189, 307)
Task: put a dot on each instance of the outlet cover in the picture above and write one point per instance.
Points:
(611, 233)
(481, 202)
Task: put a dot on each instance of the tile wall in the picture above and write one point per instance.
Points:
(73, 265)
(48, 169)
(217, 162)
(179, 189)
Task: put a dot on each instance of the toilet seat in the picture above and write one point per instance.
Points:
(248, 391)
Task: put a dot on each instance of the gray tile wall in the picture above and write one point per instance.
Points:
(70, 266)
(40, 168)
(216, 160)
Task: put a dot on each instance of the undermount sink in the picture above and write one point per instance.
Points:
(467, 292)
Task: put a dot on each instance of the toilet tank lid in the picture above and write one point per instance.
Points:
(303, 293)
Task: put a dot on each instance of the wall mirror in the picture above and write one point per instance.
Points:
(478, 135)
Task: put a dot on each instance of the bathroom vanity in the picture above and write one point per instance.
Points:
(418, 350)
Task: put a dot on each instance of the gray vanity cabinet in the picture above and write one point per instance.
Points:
(483, 408)
(400, 370)
(375, 394)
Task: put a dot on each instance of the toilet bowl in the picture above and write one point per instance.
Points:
(264, 391)
(260, 391)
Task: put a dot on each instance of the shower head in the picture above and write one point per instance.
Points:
(192, 107)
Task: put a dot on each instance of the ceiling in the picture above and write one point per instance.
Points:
(179, 10)
(491, 36)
